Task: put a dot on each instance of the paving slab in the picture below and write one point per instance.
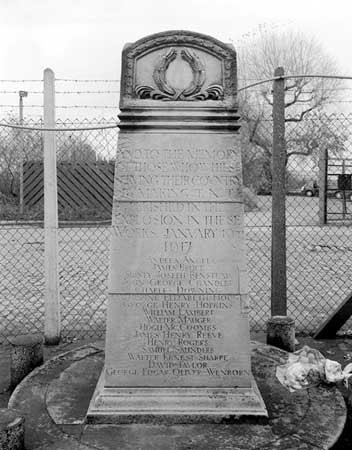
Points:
(55, 399)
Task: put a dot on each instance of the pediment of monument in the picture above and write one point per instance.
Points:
(178, 66)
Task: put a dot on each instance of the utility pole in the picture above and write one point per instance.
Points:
(21, 144)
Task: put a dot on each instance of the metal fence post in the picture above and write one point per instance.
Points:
(278, 238)
(52, 302)
(344, 204)
(21, 145)
(323, 175)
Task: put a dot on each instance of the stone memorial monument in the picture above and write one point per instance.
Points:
(177, 344)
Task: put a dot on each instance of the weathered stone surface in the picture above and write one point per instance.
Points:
(184, 340)
(11, 430)
(66, 402)
(153, 70)
(281, 333)
(186, 166)
(26, 354)
(30, 398)
(177, 311)
(306, 419)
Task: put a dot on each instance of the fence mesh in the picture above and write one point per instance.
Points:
(319, 265)
(319, 259)
(22, 279)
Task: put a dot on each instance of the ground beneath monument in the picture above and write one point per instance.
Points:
(56, 397)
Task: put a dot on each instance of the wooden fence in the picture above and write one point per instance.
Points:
(80, 184)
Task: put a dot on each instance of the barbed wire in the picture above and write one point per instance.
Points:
(65, 106)
(113, 124)
(86, 81)
(290, 77)
(23, 127)
(87, 92)
(25, 106)
(21, 81)
(239, 79)
(332, 102)
(63, 92)
(89, 106)
(92, 80)
(336, 101)
(62, 79)
(16, 92)
(323, 89)
(250, 86)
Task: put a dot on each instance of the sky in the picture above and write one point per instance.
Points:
(83, 39)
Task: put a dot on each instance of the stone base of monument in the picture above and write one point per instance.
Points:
(55, 398)
(174, 405)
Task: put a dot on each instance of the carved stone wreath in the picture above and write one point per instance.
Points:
(192, 92)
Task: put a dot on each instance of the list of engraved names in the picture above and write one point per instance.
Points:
(179, 303)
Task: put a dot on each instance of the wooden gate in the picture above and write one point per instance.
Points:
(80, 184)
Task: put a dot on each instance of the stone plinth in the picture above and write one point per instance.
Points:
(55, 398)
(177, 344)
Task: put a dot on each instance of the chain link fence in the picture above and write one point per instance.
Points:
(319, 259)
(319, 263)
(83, 238)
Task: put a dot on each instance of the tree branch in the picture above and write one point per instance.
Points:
(297, 152)
(301, 116)
(267, 99)
(307, 100)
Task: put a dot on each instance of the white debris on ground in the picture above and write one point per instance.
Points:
(308, 367)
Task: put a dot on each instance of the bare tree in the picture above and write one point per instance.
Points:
(298, 54)
(16, 147)
(72, 148)
(22, 146)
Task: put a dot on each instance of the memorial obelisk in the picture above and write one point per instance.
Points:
(177, 343)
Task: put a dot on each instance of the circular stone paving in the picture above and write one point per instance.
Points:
(55, 399)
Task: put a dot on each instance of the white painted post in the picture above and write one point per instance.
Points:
(52, 326)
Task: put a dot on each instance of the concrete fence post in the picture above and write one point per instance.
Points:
(52, 301)
(278, 238)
